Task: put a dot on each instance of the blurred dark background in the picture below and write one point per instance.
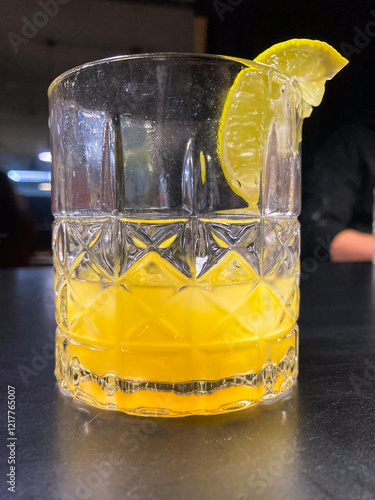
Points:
(40, 39)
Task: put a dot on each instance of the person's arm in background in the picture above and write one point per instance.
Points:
(352, 246)
(333, 188)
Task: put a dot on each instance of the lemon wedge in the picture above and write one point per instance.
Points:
(248, 113)
(310, 62)
(241, 133)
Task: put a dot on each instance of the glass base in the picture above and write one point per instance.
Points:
(198, 397)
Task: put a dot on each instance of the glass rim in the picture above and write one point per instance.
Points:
(161, 55)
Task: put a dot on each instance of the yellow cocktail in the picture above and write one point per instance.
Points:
(176, 191)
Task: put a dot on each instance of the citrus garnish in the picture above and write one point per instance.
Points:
(247, 112)
(310, 62)
(240, 133)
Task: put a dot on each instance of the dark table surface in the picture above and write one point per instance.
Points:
(317, 443)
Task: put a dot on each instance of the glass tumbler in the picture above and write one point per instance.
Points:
(175, 191)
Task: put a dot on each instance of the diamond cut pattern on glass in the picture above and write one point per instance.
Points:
(80, 236)
(217, 239)
(105, 247)
(280, 248)
(134, 301)
(169, 240)
(157, 253)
